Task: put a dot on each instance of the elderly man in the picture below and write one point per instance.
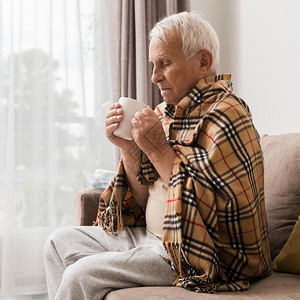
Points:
(195, 165)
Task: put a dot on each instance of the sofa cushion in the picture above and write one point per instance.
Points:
(282, 186)
(277, 286)
(288, 259)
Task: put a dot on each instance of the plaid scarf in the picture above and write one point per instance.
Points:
(214, 228)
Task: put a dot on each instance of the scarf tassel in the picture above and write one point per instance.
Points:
(112, 219)
(174, 251)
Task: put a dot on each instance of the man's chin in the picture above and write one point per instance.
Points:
(167, 97)
(169, 100)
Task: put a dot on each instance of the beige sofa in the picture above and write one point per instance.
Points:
(282, 196)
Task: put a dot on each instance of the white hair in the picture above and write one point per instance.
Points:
(195, 34)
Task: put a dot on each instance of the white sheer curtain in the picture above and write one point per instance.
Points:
(54, 92)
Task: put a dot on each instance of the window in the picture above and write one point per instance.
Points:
(55, 89)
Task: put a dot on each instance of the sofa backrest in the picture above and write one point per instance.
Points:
(282, 186)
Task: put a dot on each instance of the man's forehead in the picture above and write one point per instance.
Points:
(159, 50)
(153, 56)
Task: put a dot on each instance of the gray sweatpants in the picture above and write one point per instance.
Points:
(87, 263)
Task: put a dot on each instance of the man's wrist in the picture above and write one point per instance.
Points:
(132, 153)
(159, 153)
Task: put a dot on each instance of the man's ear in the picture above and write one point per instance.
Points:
(206, 60)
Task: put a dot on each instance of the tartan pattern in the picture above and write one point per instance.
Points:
(117, 207)
(215, 225)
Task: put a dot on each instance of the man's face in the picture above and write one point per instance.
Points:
(173, 74)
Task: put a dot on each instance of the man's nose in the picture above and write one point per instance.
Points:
(156, 75)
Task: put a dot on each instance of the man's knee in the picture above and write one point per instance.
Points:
(54, 240)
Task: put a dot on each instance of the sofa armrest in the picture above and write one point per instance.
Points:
(86, 206)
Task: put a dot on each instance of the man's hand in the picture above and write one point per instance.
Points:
(150, 137)
(148, 132)
(130, 153)
(113, 118)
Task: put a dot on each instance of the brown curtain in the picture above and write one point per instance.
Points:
(131, 22)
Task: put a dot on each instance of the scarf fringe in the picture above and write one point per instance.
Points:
(120, 222)
(112, 222)
(174, 251)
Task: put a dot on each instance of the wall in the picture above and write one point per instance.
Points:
(260, 46)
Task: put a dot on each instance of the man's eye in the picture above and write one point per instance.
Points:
(166, 64)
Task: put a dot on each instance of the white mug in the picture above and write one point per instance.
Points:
(129, 107)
